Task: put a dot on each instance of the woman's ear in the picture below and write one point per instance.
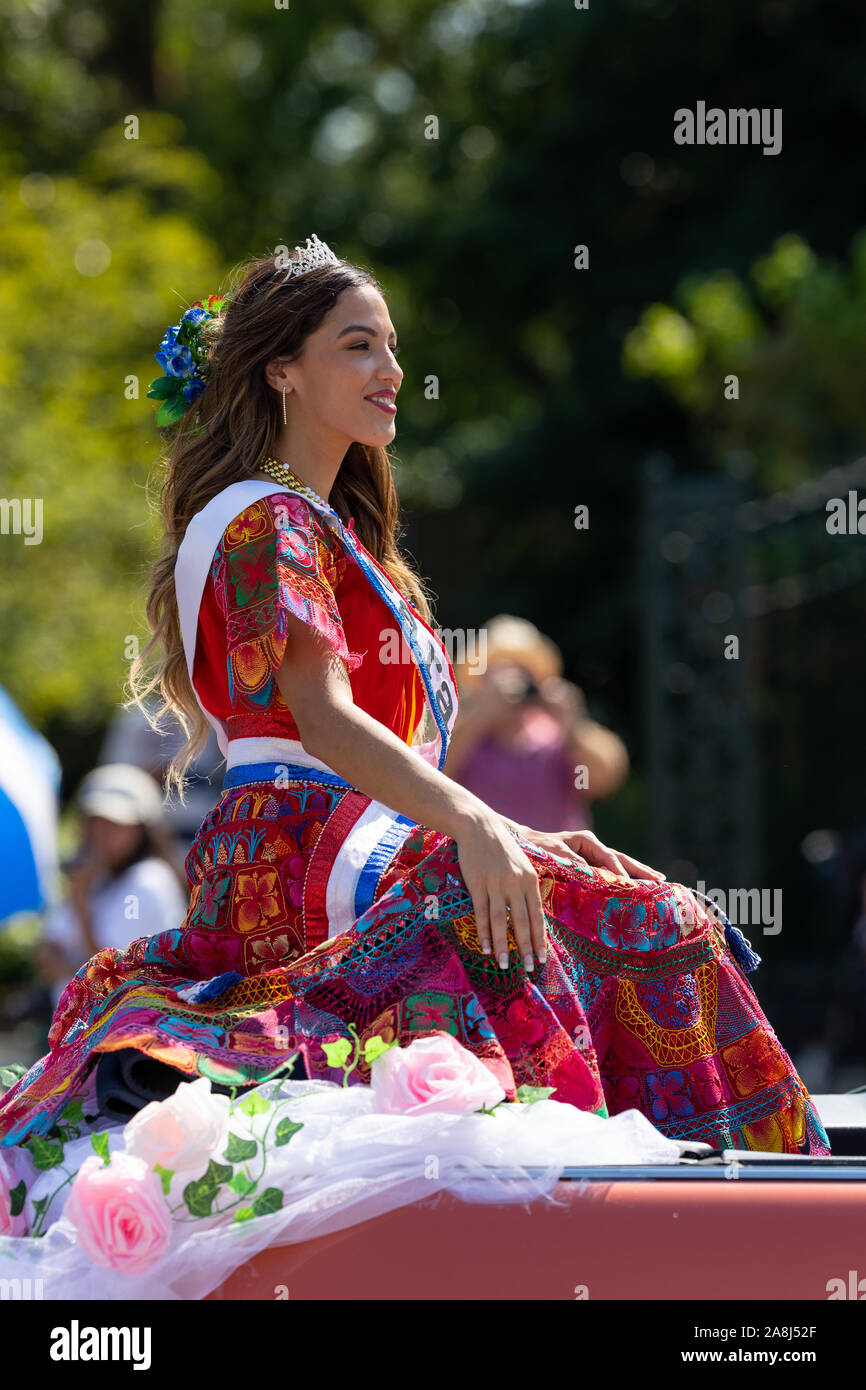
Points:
(276, 376)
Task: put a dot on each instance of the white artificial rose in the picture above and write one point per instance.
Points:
(181, 1132)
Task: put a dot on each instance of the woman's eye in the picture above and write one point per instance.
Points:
(396, 351)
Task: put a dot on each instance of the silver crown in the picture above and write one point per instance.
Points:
(308, 257)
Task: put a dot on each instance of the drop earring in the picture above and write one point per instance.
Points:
(284, 406)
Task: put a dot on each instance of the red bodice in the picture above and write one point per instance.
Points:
(279, 557)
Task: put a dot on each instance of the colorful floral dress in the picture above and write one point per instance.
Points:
(317, 914)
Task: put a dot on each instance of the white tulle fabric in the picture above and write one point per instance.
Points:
(349, 1163)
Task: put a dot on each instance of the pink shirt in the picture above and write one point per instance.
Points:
(531, 780)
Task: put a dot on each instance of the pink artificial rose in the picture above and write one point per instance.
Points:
(432, 1074)
(120, 1213)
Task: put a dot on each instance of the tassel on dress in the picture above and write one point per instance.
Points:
(741, 949)
(739, 946)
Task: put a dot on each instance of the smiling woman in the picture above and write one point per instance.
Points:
(344, 889)
(344, 375)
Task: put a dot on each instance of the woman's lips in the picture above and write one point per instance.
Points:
(388, 407)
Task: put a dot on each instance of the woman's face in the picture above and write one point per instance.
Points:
(109, 841)
(349, 358)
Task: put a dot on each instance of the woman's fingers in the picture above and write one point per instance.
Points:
(605, 858)
(639, 870)
(499, 928)
(630, 868)
(527, 918)
(481, 908)
(555, 844)
(507, 906)
(537, 920)
(520, 925)
(564, 850)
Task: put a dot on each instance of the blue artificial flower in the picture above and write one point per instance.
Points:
(174, 358)
(193, 389)
(182, 357)
(169, 339)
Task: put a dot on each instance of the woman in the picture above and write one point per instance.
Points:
(123, 884)
(525, 744)
(343, 887)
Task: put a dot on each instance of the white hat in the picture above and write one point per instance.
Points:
(122, 793)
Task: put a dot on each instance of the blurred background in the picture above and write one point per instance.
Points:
(693, 379)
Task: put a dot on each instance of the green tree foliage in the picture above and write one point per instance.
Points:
(88, 275)
(553, 128)
(794, 337)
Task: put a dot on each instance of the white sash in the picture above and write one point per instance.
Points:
(194, 559)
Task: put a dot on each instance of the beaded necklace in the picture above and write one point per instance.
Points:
(281, 473)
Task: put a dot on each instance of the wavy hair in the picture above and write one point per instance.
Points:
(222, 438)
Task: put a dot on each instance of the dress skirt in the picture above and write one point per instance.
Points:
(318, 915)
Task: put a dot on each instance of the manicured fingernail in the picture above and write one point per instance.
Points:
(503, 960)
(542, 957)
(487, 949)
(528, 962)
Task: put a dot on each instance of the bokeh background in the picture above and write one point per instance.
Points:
(463, 151)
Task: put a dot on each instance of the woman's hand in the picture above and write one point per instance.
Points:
(81, 876)
(584, 847)
(564, 702)
(501, 880)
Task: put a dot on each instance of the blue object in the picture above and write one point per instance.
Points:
(206, 990)
(29, 786)
(738, 945)
(747, 959)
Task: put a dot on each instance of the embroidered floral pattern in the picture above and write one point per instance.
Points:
(258, 900)
(274, 559)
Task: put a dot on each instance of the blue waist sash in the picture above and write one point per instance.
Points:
(271, 772)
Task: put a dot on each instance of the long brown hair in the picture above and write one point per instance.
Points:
(223, 437)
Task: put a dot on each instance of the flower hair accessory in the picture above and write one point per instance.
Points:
(183, 357)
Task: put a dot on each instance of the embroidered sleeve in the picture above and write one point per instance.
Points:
(274, 559)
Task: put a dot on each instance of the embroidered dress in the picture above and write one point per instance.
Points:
(317, 914)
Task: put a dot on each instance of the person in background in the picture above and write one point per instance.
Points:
(131, 739)
(523, 741)
(123, 884)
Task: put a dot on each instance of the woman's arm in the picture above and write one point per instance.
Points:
(590, 745)
(313, 682)
(81, 879)
(603, 754)
(498, 875)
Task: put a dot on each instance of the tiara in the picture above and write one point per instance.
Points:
(308, 257)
